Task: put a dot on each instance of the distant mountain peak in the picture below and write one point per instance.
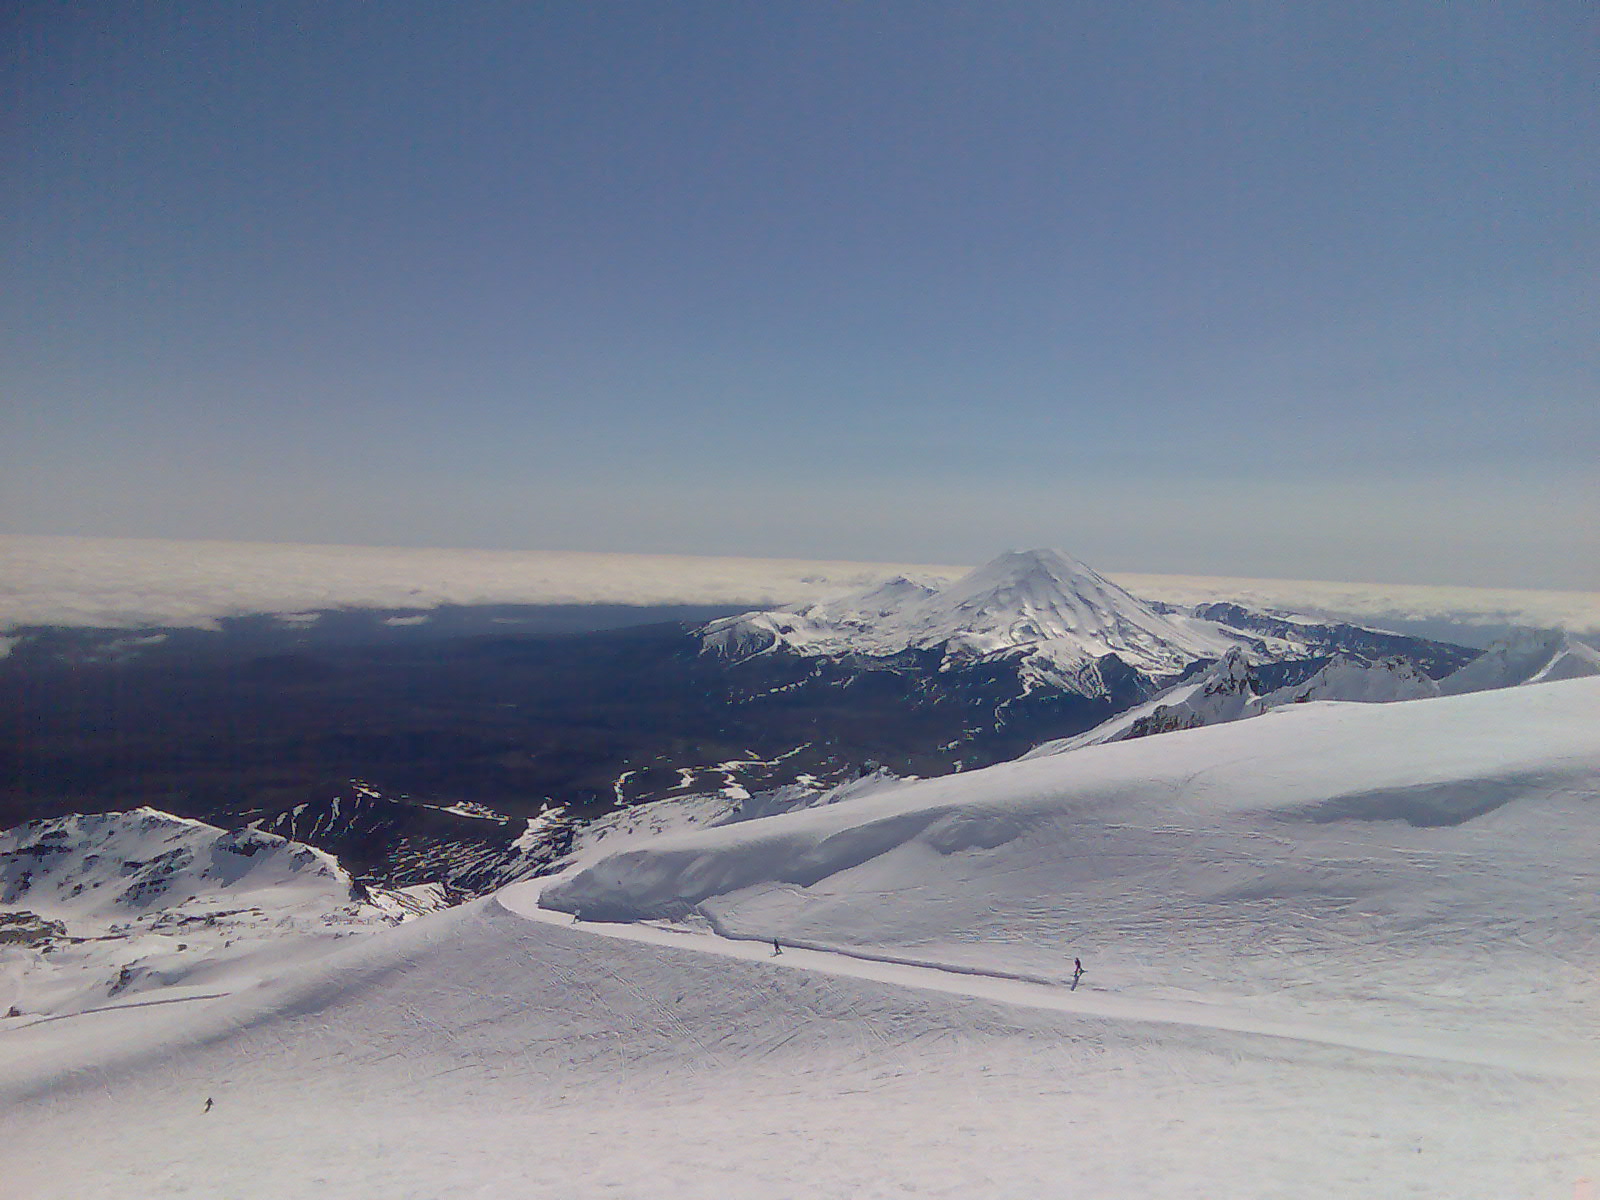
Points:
(1043, 603)
(1043, 580)
(1043, 559)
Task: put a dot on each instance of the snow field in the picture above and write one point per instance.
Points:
(480, 1054)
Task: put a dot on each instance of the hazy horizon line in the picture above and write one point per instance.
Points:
(84, 581)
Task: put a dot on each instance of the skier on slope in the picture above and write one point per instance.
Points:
(776, 949)
(1077, 972)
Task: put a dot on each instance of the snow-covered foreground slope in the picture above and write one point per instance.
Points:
(1336, 951)
(477, 1053)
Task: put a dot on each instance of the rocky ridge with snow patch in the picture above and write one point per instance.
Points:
(105, 905)
(1535, 656)
(119, 864)
(1230, 690)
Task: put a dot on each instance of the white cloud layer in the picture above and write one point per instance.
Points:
(134, 582)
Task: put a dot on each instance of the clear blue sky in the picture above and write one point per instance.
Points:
(1291, 289)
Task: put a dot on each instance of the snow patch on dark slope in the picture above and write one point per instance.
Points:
(468, 848)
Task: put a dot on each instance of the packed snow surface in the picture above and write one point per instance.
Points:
(1458, 831)
(1425, 869)
(1340, 950)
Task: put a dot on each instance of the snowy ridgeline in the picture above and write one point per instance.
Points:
(1230, 690)
(1535, 656)
(113, 904)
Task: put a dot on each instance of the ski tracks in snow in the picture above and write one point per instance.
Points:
(1039, 992)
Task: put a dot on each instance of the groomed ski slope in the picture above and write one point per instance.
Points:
(1292, 991)
(480, 1054)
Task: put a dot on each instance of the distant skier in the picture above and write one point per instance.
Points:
(209, 1103)
(1077, 972)
(776, 949)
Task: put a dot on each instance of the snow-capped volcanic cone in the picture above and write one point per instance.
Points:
(1036, 647)
(1044, 604)
(1537, 656)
